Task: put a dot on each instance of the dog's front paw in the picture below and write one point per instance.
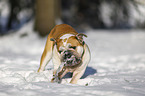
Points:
(56, 79)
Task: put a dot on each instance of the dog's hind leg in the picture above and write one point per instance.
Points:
(47, 54)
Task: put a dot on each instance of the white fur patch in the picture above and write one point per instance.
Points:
(80, 50)
(64, 42)
(66, 36)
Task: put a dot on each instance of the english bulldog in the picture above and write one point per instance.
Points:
(68, 51)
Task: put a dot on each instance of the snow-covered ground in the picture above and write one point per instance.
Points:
(117, 66)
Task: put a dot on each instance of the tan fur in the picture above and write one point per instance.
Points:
(52, 51)
(60, 30)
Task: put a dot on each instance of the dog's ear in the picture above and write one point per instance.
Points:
(80, 38)
(52, 39)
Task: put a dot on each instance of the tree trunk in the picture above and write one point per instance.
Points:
(45, 16)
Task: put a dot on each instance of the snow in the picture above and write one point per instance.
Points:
(117, 65)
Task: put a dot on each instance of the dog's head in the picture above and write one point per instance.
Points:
(70, 48)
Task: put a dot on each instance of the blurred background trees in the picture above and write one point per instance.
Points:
(81, 14)
(14, 13)
(110, 14)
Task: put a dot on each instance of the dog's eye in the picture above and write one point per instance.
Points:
(73, 47)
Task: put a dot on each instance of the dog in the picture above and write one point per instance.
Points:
(68, 51)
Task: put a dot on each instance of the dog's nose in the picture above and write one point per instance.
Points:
(67, 54)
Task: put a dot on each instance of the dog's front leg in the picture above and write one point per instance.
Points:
(58, 71)
(56, 60)
(78, 73)
(61, 71)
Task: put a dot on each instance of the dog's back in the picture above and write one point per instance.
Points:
(62, 29)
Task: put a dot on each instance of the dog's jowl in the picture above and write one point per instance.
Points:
(68, 51)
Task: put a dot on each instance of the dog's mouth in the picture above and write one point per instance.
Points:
(70, 59)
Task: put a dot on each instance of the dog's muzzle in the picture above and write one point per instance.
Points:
(71, 59)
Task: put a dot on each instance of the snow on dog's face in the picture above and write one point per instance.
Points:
(70, 49)
(71, 59)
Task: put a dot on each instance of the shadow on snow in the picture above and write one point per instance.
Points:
(89, 71)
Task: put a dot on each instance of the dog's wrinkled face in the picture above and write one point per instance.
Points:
(70, 59)
(70, 50)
